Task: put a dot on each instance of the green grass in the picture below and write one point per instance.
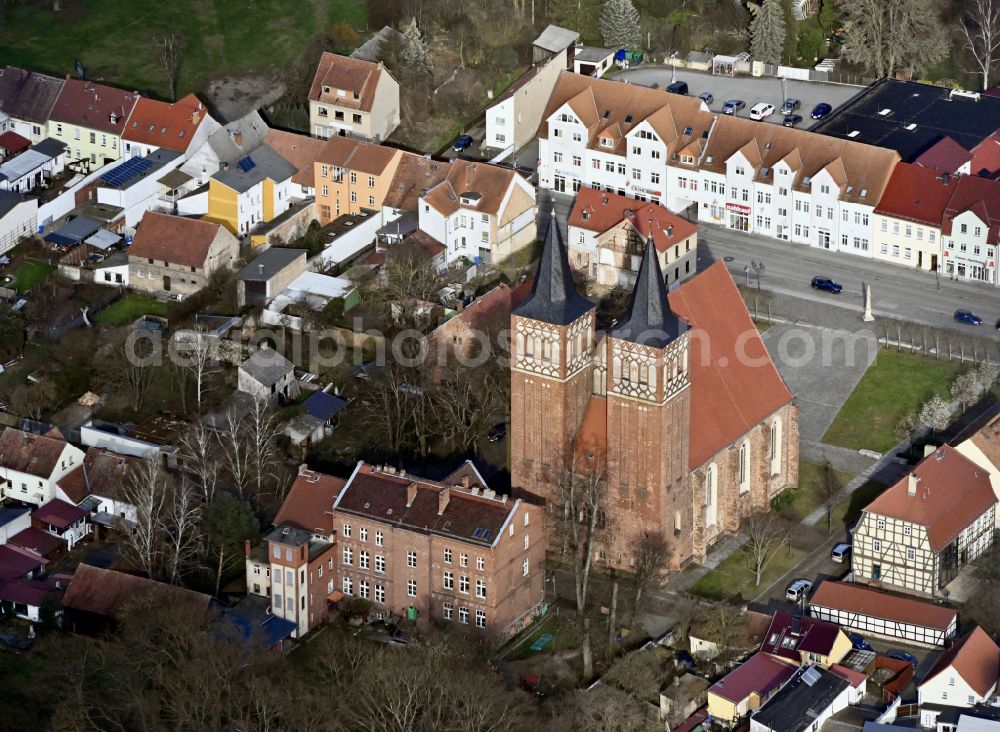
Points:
(31, 274)
(131, 306)
(894, 385)
(565, 634)
(735, 576)
(796, 503)
(113, 38)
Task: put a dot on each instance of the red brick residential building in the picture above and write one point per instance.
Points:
(680, 398)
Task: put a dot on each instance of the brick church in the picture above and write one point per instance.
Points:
(679, 399)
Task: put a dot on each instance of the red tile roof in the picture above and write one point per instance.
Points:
(93, 106)
(58, 513)
(40, 542)
(877, 604)
(300, 150)
(385, 497)
(175, 239)
(309, 503)
(917, 193)
(12, 143)
(165, 124)
(30, 592)
(986, 156)
(982, 197)
(734, 384)
(102, 591)
(812, 636)
(363, 157)
(975, 657)
(760, 674)
(357, 78)
(17, 562)
(102, 472)
(951, 493)
(599, 211)
(491, 182)
(945, 155)
(29, 453)
(488, 307)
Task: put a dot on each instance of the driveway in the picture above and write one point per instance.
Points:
(751, 90)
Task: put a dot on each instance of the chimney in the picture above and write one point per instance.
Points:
(260, 269)
(670, 231)
(929, 450)
(246, 547)
(303, 468)
(411, 494)
(465, 482)
(911, 484)
(444, 495)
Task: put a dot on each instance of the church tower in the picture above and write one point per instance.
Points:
(649, 407)
(552, 341)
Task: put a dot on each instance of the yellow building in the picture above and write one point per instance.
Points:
(90, 119)
(255, 189)
(804, 640)
(747, 687)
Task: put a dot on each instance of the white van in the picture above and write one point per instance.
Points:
(761, 110)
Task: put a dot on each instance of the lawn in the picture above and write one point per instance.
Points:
(734, 575)
(796, 503)
(895, 384)
(113, 38)
(31, 274)
(130, 307)
(565, 634)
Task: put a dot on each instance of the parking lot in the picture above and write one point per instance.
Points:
(750, 90)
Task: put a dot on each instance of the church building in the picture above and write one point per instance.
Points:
(678, 401)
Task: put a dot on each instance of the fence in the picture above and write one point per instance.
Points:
(941, 344)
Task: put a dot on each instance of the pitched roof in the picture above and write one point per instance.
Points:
(556, 38)
(299, 150)
(760, 674)
(554, 297)
(93, 106)
(324, 406)
(917, 193)
(175, 239)
(414, 504)
(987, 439)
(33, 539)
(975, 657)
(788, 636)
(17, 562)
(101, 473)
(649, 320)
(363, 157)
(58, 513)
(864, 600)
(806, 696)
(165, 124)
(28, 95)
(600, 211)
(982, 197)
(986, 156)
(267, 366)
(358, 80)
(30, 592)
(12, 143)
(103, 591)
(414, 175)
(263, 163)
(945, 155)
(490, 305)
(485, 184)
(11, 199)
(29, 453)
(738, 386)
(309, 503)
(951, 493)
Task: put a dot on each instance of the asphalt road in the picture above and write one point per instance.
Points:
(750, 90)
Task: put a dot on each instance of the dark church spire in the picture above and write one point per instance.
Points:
(554, 298)
(649, 320)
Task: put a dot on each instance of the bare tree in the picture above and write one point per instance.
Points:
(129, 366)
(196, 353)
(262, 430)
(578, 513)
(468, 403)
(651, 552)
(144, 488)
(723, 625)
(200, 446)
(764, 539)
(235, 452)
(829, 492)
(981, 29)
(180, 526)
(887, 36)
(170, 45)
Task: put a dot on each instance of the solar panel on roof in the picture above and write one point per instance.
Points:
(125, 172)
(246, 164)
(811, 676)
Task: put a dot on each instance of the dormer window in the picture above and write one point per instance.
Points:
(687, 159)
(326, 90)
(341, 93)
(113, 118)
(607, 142)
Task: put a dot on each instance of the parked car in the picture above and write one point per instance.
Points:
(798, 589)
(821, 110)
(706, 97)
(967, 316)
(733, 106)
(497, 432)
(902, 656)
(790, 106)
(678, 87)
(463, 142)
(761, 110)
(859, 643)
(792, 120)
(840, 552)
(825, 283)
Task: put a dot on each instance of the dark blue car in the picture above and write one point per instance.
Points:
(463, 142)
(821, 110)
(825, 283)
(902, 656)
(859, 643)
(966, 316)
